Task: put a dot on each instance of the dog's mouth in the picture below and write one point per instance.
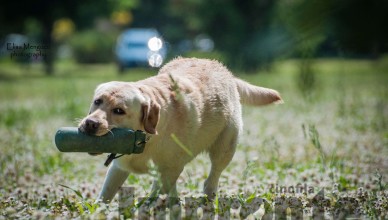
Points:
(94, 154)
(93, 127)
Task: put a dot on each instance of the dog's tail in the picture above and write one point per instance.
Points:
(255, 95)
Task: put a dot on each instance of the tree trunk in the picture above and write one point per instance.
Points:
(50, 52)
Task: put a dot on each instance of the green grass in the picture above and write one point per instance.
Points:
(332, 137)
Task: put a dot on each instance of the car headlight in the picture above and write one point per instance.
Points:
(155, 60)
(155, 44)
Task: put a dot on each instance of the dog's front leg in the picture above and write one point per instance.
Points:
(115, 177)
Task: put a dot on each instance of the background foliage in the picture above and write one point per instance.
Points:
(249, 34)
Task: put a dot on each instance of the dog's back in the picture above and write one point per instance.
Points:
(207, 98)
(213, 78)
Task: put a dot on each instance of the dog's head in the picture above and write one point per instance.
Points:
(120, 105)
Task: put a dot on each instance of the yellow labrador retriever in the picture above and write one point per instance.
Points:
(194, 101)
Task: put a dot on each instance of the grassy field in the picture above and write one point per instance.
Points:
(333, 136)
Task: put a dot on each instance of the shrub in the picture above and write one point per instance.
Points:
(92, 46)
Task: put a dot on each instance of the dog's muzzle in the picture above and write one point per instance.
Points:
(90, 126)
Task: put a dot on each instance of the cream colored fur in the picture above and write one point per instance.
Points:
(196, 100)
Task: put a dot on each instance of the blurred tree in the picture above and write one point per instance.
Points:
(249, 33)
(92, 46)
(15, 16)
(353, 27)
(360, 27)
(237, 27)
(158, 14)
(62, 29)
(307, 24)
(253, 33)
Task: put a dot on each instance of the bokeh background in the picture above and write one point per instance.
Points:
(244, 35)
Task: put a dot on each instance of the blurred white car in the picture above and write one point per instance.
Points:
(140, 47)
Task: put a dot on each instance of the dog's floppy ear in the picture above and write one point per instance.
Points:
(150, 119)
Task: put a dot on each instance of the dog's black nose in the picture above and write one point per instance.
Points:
(91, 126)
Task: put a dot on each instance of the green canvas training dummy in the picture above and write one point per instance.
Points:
(117, 141)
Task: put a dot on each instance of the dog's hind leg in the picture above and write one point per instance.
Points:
(115, 177)
(221, 153)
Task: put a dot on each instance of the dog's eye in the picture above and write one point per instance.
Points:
(118, 111)
(98, 101)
